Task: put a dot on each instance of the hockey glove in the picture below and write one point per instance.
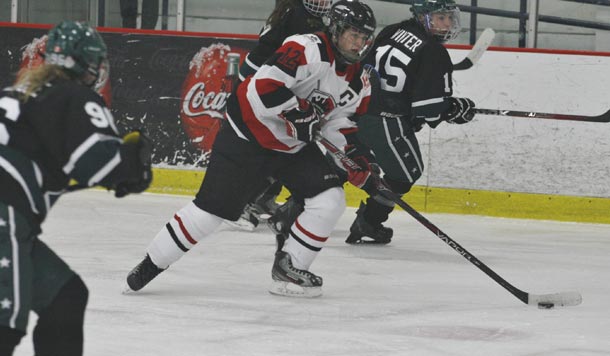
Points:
(364, 176)
(302, 122)
(461, 111)
(137, 148)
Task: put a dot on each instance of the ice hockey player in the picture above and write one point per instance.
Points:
(289, 17)
(312, 80)
(53, 128)
(416, 88)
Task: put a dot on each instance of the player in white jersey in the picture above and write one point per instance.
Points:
(313, 81)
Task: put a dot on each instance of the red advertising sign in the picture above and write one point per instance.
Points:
(205, 92)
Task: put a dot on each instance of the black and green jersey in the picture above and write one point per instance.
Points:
(415, 71)
(64, 131)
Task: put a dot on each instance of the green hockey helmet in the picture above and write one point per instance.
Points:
(441, 18)
(77, 47)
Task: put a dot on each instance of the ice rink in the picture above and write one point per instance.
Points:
(415, 296)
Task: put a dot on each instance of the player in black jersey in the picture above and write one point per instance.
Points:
(290, 17)
(54, 128)
(416, 88)
(272, 120)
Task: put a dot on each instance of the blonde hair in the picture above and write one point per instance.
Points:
(31, 80)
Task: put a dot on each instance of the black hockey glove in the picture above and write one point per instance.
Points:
(460, 112)
(366, 175)
(303, 122)
(137, 149)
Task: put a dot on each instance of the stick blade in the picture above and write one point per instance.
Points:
(548, 301)
(605, 117)
(463, 65)
(481, 45)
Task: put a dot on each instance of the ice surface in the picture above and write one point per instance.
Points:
(415, 296)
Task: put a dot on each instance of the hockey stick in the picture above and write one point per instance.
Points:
(605, 117)
(543, 301)
(477, 50)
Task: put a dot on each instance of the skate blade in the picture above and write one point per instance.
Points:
(127, 290)
(360, 241)
(288, 289)
(241, 224)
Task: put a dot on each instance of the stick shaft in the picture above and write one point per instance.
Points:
(605, 117)
(387, 193)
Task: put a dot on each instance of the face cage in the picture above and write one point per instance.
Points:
(444, 35)
(348, 56)
(318, 8)
(102, 76)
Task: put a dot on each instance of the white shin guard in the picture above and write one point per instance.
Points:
(188, 226)
(313, 227)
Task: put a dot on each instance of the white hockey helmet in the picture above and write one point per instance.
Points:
(318, 8)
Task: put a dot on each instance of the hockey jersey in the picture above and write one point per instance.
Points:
(296, 20)
(303, 68)
(415, 72)
(62, 132)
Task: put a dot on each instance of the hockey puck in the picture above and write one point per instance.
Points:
(545, 305)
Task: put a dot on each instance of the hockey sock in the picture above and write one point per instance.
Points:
(312, 228)
(189, 225)
(59, 330)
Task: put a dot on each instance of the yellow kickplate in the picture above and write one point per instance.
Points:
(439, 200)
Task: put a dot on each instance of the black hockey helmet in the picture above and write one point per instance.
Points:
(430, 12)
(352, 14)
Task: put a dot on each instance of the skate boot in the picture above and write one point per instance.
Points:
(265, 206)
(374, 234)
(248, 221)
(283, 219)
(141, 275)
(260, 210)
(293, 282)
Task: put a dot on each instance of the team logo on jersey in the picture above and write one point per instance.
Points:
(322, 100)
(205, 92)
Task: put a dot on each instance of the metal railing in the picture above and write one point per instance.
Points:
(528, 17)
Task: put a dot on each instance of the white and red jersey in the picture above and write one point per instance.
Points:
(303, 68)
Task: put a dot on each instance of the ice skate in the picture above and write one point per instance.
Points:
(260, 210)
(283, 219)
(265, 206)
(361, 232)
(293, 282)
(141, 275)
(248, 221)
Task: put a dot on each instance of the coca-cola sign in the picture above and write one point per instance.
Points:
(205, 92)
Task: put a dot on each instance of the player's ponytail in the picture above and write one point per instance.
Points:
(31, 80)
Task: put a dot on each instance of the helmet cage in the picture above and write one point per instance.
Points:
(349, 57)
(440, 33)
(346, 15)
(318, 8)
